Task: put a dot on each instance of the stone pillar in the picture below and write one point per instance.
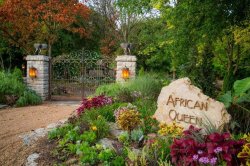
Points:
(123, 61)
(40, 84)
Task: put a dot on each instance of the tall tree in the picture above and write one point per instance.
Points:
(195, 25)
(24, 22)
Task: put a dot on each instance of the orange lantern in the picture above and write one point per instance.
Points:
(32, 72)
(125, 73)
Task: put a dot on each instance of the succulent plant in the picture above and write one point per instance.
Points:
(136, 134)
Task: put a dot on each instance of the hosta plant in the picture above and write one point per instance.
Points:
(95, 102)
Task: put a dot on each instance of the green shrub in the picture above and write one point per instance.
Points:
(88, 136)
(96, 122)
(102, 127)
(146, 86)
(60, 132)
(11, 85)
(118, 161)
(106, 155)
(29, 97)
(108, 111)
(109, 89)
(13, 90)
(88, 154)
(147, 108)
(124, 137)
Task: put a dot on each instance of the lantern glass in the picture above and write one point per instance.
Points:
(32, 72)
(125, 73)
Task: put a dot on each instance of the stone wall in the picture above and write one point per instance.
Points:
(123, 61)
(40, 84)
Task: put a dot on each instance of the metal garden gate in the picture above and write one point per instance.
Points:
(78, 74)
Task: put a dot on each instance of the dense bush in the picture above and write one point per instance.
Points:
(13, 90)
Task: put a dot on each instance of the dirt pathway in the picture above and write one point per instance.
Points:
(17, 121)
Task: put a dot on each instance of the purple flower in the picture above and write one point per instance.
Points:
(195, 157)
(218, 150)
(204, 160)
(213, 160)
(200, 152)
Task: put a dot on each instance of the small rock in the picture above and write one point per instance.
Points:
(31, 159)
(2, 106)
(52, 125)
(114, 130)
(62, 121)
(71, 161)
(41, 132)
(107, 143)
(152, 135)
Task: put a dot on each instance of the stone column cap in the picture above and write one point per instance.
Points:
(37, 58)
(126, 58)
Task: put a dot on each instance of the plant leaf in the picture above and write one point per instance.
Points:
(226, 99)
(241, 86)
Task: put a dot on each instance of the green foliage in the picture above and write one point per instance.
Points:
(95, 120)
(109, 89)
(124, 137)
(88, 154)
(11, 84)
(240, 94)
(144, 86)
(88, 136)
(29, 97)
(159, 150)
(108, 111)
(241, 86)
(118, 161)
(238, 101)
(147, 108)
(14, 91)
(60, 132)
(106, 155)
(148, 85)
(136, 134)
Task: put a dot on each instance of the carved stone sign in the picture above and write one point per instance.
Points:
(184, 103)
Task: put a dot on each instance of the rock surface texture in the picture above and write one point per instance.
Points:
(184, 103)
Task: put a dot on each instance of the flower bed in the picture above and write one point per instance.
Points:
(141, 139)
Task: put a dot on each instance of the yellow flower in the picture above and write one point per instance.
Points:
(171, 129)
(94, 128)
(245, 154)
(89, 98)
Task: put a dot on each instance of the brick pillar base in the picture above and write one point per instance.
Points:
(123, 61)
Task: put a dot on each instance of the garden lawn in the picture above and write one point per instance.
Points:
(18, 121)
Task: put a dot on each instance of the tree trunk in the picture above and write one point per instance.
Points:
(229, 75)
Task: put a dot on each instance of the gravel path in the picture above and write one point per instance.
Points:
(17, 121)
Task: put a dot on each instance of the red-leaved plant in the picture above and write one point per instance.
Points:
(94, 102)
(212, 149)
